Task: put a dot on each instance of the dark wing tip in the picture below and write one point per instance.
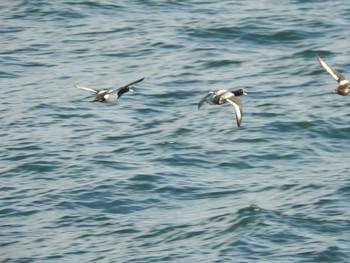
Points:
(139, 80)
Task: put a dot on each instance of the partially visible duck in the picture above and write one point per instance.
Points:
(344, 84)
(104, 95)
(223, 96)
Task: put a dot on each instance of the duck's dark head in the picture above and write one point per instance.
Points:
(239, 92)
(123, 90)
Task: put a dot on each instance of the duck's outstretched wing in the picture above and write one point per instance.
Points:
(238, 107)
(332, 71)
(201, 102)
(127, 85)
(85, 88)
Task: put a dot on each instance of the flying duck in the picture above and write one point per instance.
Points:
(104, 95)
(223, 96)
(344, 84)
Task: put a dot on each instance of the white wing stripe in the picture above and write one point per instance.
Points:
(328, 69)
(238, 112)
(85, 88)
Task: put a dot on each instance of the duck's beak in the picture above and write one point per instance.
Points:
(245, 93)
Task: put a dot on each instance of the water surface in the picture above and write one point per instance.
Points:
(150, 178)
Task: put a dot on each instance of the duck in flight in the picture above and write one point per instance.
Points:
(104, 95)
(223, 96)
(344, 84)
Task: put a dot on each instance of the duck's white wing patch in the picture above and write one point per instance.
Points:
(227, 95)
(200, 103)
(332, 71)
(237, 105)
(343, 82)
(85, 88)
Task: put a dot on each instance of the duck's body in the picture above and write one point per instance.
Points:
(344, 84)
(103, 95)
(223, 96)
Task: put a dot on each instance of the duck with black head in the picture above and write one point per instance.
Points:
(223, 96)
(104, 95)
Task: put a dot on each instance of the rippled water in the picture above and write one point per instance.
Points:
(150, 178)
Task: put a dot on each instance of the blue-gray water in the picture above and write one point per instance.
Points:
(150, 178)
